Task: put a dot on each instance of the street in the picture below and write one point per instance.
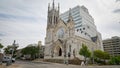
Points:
(27, 64)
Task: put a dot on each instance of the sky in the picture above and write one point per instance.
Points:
(25, 20)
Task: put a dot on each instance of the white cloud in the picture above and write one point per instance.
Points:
(25, 20)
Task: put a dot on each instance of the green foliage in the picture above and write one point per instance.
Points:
(8, 50)
(85, 51)
(1, 46)
(101, 54)
(115, 60)
(30, 50)
(106, 55)
(98, 54)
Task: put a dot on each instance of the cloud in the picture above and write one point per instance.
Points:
(117, 11)
(25, 20)
(8, 16)
(117, 0)
(2, 34)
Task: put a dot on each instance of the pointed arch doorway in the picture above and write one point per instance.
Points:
(58, 51)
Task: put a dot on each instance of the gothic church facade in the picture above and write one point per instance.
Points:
(60, 37)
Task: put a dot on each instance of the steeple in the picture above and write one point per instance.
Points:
(48, 7)
(53, 4)
(69, 12)
(53, 15)
(58, 7)
(70, 18)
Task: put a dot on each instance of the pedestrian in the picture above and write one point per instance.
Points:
(86, 62)
(82, 63)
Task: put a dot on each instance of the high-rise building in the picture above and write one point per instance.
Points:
(84, 24)
(112, 46)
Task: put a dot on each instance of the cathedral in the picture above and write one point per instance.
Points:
(61, 40)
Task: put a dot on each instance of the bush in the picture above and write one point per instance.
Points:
(115, 60)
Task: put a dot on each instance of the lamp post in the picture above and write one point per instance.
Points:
(13, 48)
(93, 55)
(64, 54)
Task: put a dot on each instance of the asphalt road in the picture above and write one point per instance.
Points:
(27, 64)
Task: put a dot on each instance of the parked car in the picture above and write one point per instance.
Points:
(6, 59)
(13, 59)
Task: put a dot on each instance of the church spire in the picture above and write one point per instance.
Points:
(48, 7)
(69, 12)
(53, 4)
(58, 6)
(70, 16)
(53, 15)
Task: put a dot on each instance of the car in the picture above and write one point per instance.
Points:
(6, 59)
(13, 59)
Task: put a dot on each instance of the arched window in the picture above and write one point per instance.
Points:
(60, 33)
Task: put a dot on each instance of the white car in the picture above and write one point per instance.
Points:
(6, 59)
(13, 59)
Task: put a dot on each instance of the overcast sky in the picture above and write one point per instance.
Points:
(25, 20)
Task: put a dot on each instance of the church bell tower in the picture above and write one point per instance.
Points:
(53, 15)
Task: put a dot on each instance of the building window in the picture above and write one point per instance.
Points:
(83, 28)
(78, 26)
(77, 30)
(88, 27)
(60, 33)
(81, 31)
(77, 19)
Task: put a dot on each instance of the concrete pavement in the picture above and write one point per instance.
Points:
(3, 65)
(24, 64)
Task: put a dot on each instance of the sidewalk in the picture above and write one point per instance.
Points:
(14, 66)
(2, 66)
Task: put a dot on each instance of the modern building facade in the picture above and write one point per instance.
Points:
(112, 46)
(84, 23)
(63, 37)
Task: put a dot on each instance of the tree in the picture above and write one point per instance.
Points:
(85, 51)
(8, 50)
(30, 50)
(98, 54)
(106, 55)
(115, 60)
(1, 46)
(101, 55)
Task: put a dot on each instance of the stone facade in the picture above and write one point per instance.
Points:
(60, 36)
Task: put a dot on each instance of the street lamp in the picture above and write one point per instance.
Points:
(93, 55)
(12, 50)
(65, 52)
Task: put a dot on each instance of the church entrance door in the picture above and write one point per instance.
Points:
(60, 52)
